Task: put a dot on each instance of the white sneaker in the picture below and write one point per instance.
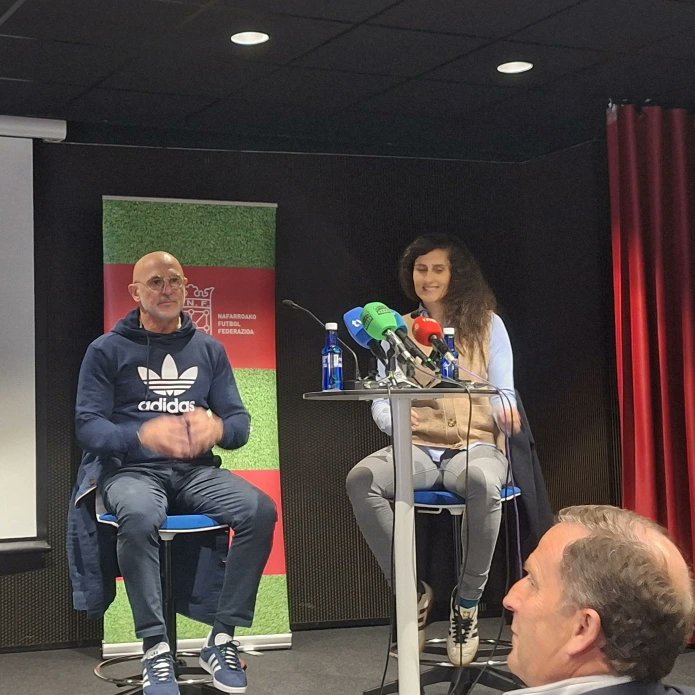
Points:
(462, 640)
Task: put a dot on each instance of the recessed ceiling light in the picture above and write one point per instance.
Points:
(249, 38)
(514, 66)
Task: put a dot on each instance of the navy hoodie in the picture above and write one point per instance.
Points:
(130, 375)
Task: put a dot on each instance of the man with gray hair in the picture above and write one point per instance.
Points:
(606, 605)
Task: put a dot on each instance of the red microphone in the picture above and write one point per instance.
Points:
(428, 332)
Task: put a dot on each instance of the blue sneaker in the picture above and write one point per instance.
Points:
(158, 676)
(221, 660)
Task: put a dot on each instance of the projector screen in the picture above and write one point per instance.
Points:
(18, 504)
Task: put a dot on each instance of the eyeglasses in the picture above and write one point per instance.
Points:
(157, 283)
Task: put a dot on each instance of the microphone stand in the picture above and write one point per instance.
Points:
(359, 382)
(394, 374)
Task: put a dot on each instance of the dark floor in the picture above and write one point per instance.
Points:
(343, 661)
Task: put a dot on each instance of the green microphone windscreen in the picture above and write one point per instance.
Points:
(377, 318)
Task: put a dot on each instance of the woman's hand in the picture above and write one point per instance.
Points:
(415, 419)
(508, 419)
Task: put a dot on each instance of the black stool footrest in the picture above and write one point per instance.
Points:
(185, 674)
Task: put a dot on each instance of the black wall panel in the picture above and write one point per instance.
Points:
(565, 355)
(341, 224)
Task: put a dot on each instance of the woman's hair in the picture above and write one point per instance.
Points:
(469, 299)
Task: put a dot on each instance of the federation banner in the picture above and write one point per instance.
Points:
(227, 251)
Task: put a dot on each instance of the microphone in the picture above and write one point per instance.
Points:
(380, 323)
(428, 331)
(294, 305)
(416, 313)
(353, 322)
(402, 333)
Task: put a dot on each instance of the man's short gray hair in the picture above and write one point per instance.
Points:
(645, 605)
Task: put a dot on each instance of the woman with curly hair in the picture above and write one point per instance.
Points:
(458, 443)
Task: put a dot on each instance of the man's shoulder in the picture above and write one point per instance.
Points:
(644, 688)
(105, 340)
(679, 689)
(663, 688)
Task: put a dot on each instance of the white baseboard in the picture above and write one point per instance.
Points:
(248, 643)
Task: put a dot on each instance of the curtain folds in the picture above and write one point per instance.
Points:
(651, 155)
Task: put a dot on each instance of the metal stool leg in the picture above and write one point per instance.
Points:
(186, 680)
(485, 670)
(168, 601)
(389, 689)
(188, 677)
(457, 526)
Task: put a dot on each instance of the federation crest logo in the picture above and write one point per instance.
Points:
(199, 305)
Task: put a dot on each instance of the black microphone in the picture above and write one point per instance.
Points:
(417, 312)
(294, 305)
(402, 332)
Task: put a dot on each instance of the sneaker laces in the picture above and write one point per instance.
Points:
(460, 627)
(230, 654)
(162, 667)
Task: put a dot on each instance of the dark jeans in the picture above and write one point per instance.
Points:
(141, 495)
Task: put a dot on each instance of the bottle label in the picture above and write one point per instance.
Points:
(332, 368)
(450, 371)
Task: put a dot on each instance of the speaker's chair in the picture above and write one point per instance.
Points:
(438, 501)
(487, 667)
(185, 674)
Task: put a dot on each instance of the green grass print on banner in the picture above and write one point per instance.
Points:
(198, 234)
(258, 392)
(271, 617)
(217, 235)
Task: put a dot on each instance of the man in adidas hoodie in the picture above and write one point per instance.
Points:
(154, 396)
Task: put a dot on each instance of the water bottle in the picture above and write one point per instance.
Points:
(332, 360)
(450, 371)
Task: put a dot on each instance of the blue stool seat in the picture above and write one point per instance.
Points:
(446, 498)
(178, 523)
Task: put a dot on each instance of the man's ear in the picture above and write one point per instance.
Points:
(134, 290)
(587, 633)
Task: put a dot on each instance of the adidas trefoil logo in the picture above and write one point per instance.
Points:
(170, 383)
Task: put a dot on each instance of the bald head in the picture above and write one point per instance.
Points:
(159, 290)
(143, 268)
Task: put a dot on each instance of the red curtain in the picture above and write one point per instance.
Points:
(651, 154)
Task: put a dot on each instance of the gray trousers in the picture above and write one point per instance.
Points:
(141, 495)
(479, 476)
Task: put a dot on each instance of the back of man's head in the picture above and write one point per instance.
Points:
(637, 581)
